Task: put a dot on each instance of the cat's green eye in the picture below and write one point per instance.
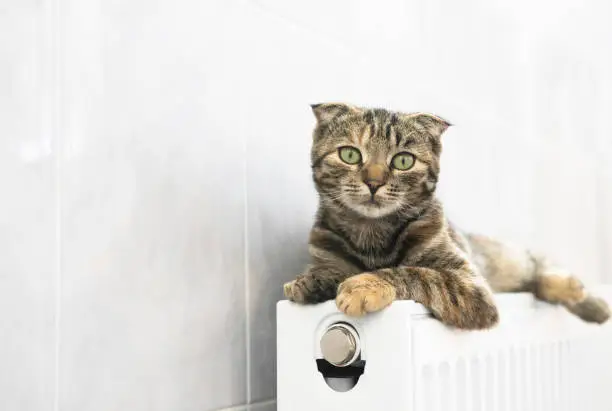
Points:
(350, 155)
(402, 161)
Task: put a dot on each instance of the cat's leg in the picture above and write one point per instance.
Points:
(512, 269)
(456, 296)
(320, 281)
(555, 286)
(316, 285)
(330, 265)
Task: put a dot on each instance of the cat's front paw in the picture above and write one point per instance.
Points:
(364, 293)
(293, 292)
(306, 289)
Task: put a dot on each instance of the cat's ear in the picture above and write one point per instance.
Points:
(328, 111)
(432, 124)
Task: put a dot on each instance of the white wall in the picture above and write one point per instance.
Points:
(154, 162)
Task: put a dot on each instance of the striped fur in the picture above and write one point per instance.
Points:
(371, 244)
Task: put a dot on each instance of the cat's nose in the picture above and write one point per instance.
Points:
(374, 185)
(374, 176)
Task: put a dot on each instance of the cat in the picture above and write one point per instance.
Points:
(380, 233)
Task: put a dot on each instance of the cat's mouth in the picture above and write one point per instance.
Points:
(371, 206)
(373, 201)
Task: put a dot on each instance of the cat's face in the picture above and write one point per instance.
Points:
(373, 161)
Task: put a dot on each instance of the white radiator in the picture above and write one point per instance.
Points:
(538, 358)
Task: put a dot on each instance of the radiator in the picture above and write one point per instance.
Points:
(538, 358)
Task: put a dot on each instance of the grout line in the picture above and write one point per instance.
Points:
(247, 283)
(245, 407)
(55, 89)
(602, 236)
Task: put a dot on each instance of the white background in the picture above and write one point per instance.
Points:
(156, 190)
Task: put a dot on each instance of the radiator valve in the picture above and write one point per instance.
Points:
(340, 345)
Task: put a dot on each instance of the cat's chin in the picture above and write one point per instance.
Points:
(370, 210)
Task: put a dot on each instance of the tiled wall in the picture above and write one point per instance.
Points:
(154, 165)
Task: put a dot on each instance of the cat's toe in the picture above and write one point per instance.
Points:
(295, 291)
(364, 293)
(288, 290)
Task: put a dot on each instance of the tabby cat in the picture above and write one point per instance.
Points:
(380, 233)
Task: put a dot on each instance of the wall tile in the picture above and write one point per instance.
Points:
(153, 307)
(280, 196)
(27, 211)
(566, 210)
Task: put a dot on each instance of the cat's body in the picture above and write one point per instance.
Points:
(380, 233)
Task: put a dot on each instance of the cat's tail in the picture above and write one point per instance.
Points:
(591, 309)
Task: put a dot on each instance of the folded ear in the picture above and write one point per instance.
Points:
(430, 123)
(328, 111)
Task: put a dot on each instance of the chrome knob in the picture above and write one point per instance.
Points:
(340, 345)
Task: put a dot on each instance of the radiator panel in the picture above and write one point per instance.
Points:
(539, 358)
